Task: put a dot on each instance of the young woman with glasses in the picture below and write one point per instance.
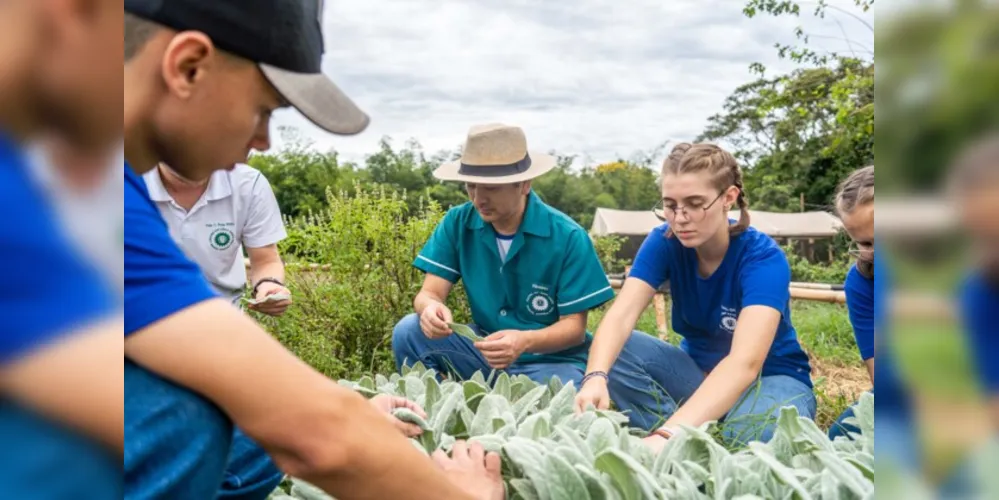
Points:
(855, 206)
(740, 360)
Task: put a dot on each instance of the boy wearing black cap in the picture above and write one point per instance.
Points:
(201, 80)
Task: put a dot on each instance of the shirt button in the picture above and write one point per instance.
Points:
(502, 312)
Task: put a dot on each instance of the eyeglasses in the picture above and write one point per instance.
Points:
(863, 251)
(693, 214)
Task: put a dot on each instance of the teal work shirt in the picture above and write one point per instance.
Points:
(551, 270)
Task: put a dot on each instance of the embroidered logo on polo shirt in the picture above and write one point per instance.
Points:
(221, 238)
(539, 302)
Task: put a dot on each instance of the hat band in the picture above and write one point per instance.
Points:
(496, 170)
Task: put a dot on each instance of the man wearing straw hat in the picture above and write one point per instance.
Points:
(530, 272)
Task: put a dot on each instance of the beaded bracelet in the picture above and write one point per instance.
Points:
(590, 375)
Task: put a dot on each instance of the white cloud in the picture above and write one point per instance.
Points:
(597, 78)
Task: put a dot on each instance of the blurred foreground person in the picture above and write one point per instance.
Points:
(201, 81)
(61, 413)
(85, 187)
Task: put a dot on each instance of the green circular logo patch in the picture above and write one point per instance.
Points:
(221, 239)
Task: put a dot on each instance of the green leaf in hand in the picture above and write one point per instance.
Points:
(464, 331)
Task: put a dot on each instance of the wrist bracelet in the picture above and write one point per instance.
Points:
(663, 432)
(266, 280)
(590, 375)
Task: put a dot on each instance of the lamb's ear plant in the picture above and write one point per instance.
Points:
(550, 453)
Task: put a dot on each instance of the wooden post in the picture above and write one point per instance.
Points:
(811, 250)
(660, 304)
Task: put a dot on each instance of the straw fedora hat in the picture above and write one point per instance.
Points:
(496, 154)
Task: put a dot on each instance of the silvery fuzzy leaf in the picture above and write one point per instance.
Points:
(524, 489)
(502, 386)
(447, 414)
(846, 474)
(409, 416)
(571, 454)
(571, 437)
(564, 482)
(526, 457)
(562, 403)
(529, 403)
(367, 383)
(535, 426)
(433, 394)
(479, 378)
(614, 464)
(381, 380)
(780, 471)
(602, 436)
(491, 408)
(597, 485)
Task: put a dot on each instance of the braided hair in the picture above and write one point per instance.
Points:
(723, 167)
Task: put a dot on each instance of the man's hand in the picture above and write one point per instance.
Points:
(386, 404)
(267, 289)
(434, 320)
(472, 470)
(502, 348)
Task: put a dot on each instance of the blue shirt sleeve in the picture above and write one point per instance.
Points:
(440, 255)
(652, 261)
(765, 276)
(979, 301)
(159, 279)
(49, 290)
(582, 284)
(860, 306)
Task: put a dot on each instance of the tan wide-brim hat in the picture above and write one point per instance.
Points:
(496, 154)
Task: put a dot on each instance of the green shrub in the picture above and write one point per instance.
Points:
(802, 270)
(342, 319)
(607, 248)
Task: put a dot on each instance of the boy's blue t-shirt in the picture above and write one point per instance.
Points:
(860, 305)
(49, 288)
(754, 271)
(979, 303)
(159, 279)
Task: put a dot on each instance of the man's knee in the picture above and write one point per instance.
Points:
(405, 330)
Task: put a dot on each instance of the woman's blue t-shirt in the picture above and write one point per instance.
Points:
(979, 302)
(860, 305)
(754, 271)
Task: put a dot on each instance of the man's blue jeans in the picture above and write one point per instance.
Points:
(653, 378)
(180, 445)
(456, 356)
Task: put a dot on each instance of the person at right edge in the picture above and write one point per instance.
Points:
(201, 81)
(740, 360)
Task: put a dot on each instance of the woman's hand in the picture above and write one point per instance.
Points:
(594, 392)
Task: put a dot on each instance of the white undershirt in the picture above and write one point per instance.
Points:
(503, 244)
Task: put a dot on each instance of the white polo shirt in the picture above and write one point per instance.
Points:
(238, 209)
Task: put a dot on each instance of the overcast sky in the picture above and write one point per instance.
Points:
(600, 79)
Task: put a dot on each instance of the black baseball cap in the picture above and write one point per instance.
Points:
(284, 37)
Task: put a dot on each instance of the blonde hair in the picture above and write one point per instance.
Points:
(856, 191)
(720, 164)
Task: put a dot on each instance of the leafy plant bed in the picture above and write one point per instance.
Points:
(549, 452)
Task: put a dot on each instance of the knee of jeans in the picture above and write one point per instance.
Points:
(404, 332)
(178, 441)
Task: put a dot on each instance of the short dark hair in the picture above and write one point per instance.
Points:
(138, 32)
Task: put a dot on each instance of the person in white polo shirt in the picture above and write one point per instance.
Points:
(214, 220)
